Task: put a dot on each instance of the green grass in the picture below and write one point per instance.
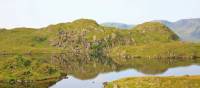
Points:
(156, 82)
(34, 67)
(44, 66)
(153, 32)
(157, 50)
(38, 84)
(86, 39)
(20, 40)
(23, 40)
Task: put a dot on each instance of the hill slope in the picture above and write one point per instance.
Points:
(187, 29)
(87, 40)
(79, 33)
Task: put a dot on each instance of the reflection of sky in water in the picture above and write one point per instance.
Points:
(187, 70)
(97, 82)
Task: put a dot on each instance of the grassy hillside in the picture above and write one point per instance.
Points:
(157, 50)
(88, 40)
(153, 32)
(86, 37)
(155, 40)
(187, 29)
(34, 67)
(23, 40)
(156, 82)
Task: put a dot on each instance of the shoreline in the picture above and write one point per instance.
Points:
(186, 81)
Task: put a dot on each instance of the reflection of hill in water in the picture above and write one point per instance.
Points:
(83, 68)
(87, 68)
(156, 66)
(90, 68)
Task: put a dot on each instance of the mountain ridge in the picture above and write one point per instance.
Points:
(187, 29)
(117, 25)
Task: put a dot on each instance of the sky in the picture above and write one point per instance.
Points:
(40, 13)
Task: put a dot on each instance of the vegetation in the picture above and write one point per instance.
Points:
(24, 40)
(48, 66)
(82, 44)
(157, 50)
(17, 70)
(27, 68)
(38, 84)
(87, 38)
(187, 29)
(82, 35)
(156, 82)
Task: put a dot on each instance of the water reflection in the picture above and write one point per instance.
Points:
(98, 81)
(90, 68)
(84, 72)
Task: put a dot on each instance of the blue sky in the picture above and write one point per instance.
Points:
(39, 13)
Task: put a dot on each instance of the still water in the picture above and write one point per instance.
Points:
(97, 82)
(83, 72)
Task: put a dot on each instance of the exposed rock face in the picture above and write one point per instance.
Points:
(86, 37)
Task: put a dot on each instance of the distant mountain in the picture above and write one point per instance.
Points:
(187, 29)
(117, 25)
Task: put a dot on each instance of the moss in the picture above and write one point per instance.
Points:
(157, 50)
(21, 67)
(156, 82)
